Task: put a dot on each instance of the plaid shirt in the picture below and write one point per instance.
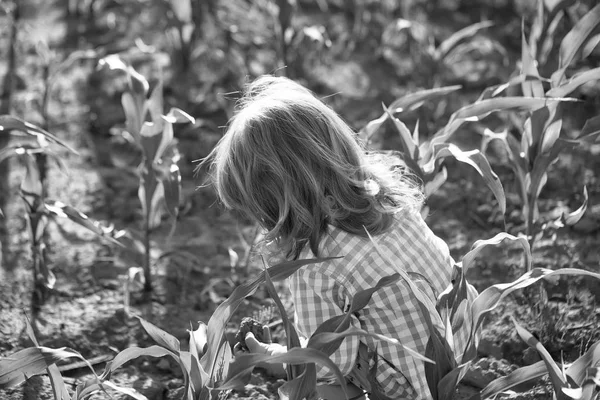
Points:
(324, 290)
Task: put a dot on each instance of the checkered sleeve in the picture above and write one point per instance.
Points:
(318, 297)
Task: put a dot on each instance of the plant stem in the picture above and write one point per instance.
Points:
(147, 263)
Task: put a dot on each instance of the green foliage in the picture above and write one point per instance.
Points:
(540, 144)
(149, 130)
(580, 380)
(31, 141)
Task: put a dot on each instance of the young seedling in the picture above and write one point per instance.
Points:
(151, 132)
(580, 380)
(32, 141)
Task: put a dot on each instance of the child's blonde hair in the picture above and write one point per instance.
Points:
(290, 162)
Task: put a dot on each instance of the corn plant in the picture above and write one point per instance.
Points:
(149, 130)
(301, 360)
(579, 380)
(32, 141)
(424, 158)
(38, 360)
(540, 143)
(442, 57)
(459, 307)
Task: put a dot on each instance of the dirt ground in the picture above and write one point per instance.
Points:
(86, 311)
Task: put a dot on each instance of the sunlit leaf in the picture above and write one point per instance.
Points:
(550, 136)
(64, 211)
(182, 9)
(528, 67)
(198, 340)
(529, 373)
(297, 355)
(479, 162)
(556, 376)
(15, 368)
(176, 115)
(446, 387)
(411, 149)
(9, 123)
(450, 43)
(161, 337)
(577, 370)
(131, 353)
(573, 217)
(575, 82)
(491, 297)
(302, 387)
(574, 40)
(432, 185)
(478, 246)
(405, 103)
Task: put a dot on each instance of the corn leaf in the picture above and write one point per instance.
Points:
(411, 149)
(405, 103)
(198, 340)
(246, 362)
(64, 211)
(491, 297)
(479, 162)
(575, 82)
(198, 378)
(574, 40)
(495, 90)
(56, 380)
(9, 123)
(591, 131)
(411, 100)
(447, 386)
(17, 367)
(577, 370)
(478, 246)
(556, 376)
(220, 317)
(137, 83)
(293, 371)
(540, 167)
(550, 136)
(573, 217)
(481, 109)
(134, 352)
(177, 115)
(303, 387)
(590, 46)
(161, 337)
(172, 189)
(528, 67)
(133, 116)
(433, 184)
(438, 349)
(449, 44)
(529, 373)
(126, 391)
(322, 340)
(182, 10)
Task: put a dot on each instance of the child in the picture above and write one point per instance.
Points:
(291, 163)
